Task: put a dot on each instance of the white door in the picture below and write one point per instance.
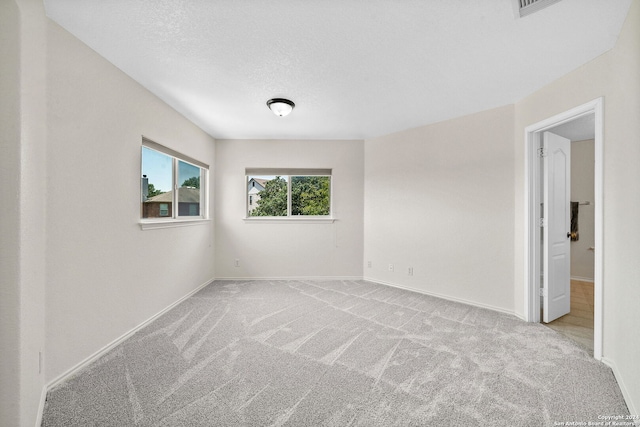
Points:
(557, 227)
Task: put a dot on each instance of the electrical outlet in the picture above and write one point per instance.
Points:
(369, 264)
(237, 263)
(410, 271)
(390, 267)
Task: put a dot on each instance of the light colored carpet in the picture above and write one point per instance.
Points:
(335, 353)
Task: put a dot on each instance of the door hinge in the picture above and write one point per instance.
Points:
(542, 223)
(543, 292)
(542, 152)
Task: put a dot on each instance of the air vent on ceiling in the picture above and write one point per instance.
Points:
(527, 7)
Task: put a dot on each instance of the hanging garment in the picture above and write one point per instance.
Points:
(574, 221)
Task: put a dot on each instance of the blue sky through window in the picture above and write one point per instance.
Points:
(158, 168)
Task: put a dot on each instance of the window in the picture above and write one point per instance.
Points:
(310, 195)
(172, 185)
(288, 192)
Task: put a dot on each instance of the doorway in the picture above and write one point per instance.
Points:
(581, 123)
(576, 321)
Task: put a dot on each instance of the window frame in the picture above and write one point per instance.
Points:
(288, 174)
(174, 219)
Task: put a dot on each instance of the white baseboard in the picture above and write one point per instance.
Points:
(583, 279)
(70, 372)
(293, 278)
(633, 410)
(518, 315)
(43, 399)
(446, 297)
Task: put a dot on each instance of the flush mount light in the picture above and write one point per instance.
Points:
(280, 106)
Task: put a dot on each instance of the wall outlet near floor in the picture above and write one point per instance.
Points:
(369, 264)
(236, 262)
(410, 271)
(390, 267)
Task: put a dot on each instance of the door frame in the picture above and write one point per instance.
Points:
(532, 183)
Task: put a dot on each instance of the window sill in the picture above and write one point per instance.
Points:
(290, 220)
(172, 223)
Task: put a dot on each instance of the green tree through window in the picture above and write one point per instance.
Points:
(310, 195)
(273, 199)
(152, 191)
(193, 182)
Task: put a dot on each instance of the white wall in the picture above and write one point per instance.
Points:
(439, 198)
(582, 176)
(11, 378)
(105, 275)
(22, 173)
(615, 76)
(269, 249)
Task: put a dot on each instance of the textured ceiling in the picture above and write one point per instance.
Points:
(354, 68)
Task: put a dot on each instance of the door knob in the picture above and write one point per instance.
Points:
(568, 234)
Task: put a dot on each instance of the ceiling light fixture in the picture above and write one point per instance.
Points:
(280, 106)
